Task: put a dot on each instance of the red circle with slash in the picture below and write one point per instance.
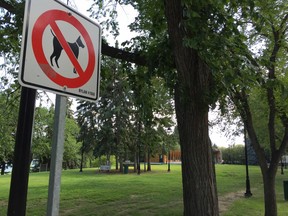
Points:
(49, 18)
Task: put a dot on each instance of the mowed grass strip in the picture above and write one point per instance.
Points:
(151, 193)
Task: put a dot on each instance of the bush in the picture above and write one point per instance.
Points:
(234, 154)
(103, 161)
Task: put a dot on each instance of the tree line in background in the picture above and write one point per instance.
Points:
(124, 122)
(235, 154)
(132, 117)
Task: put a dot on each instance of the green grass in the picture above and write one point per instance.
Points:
(254, 206)
(153, 193)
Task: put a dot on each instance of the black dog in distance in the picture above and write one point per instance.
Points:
(57, 49)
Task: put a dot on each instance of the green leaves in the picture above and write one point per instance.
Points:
(8, 123)
(106, 13)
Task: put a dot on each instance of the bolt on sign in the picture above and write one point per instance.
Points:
(60, 50)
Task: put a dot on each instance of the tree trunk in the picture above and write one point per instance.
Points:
(199, 187)
(145, 161)
(3, 168)
(269, 175)
(120, 161)
(82, 159)
(268, 170)
(148, 160)
(269, 191)
(135, 161)
(117, 162)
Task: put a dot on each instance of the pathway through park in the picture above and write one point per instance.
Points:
(228, 199)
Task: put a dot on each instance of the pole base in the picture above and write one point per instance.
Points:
(248, 194)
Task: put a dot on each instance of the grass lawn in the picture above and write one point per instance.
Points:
(154, 193)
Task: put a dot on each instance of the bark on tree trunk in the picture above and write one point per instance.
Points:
(120, 162)
(82, 158)
(149, 162)
(121, 166)
(270, 195)
(269, 192)
(117, 162)
(199, 187)
(135, 161)
(145, 167)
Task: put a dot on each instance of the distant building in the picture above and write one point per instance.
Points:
(175, 156)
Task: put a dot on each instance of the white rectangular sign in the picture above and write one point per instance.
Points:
(60, 50)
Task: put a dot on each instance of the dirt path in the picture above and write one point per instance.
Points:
(228, 199)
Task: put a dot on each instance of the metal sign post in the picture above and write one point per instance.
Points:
(56, 156)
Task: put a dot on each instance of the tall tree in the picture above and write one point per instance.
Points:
(71, 144)
(109, 118)
(193, 85)
(222, 35)
(254, 62)
(265, 77)
(42, 134)
(192, 88)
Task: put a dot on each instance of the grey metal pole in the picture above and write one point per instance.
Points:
(56, 156)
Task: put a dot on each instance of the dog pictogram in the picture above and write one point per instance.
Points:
(84, 68)
(57, 49)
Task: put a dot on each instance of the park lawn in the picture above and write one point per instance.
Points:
(151, 193)
(254, 206)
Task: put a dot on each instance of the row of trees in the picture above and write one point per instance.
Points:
(227, 53)
(43, 130)
(42, 137)
(124, 122)
(233, 52)
(112, 126)
(235, 154)
(8, 122)
(131, 119)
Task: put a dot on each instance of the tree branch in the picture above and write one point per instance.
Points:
(284, 21)
(7, 6)
(240, 99)
(113, 52)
